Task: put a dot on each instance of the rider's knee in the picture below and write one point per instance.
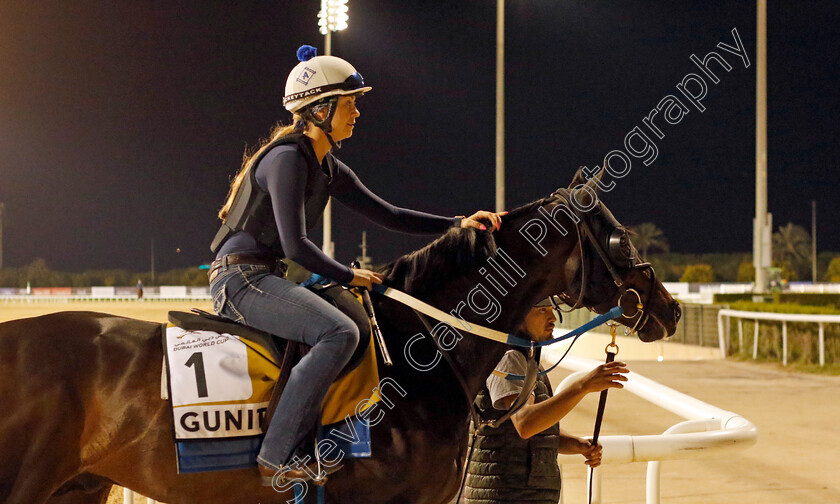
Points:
(346, 335)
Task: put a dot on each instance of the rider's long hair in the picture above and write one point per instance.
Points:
(298, 125)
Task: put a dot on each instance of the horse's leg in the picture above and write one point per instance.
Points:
(83, 489)
(44, 419)
(43, 448)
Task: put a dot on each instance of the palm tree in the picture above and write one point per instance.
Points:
(646, 236)
(791, 244)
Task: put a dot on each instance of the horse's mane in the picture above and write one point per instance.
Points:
(448, 257)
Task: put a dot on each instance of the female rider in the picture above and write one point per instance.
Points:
(278, 195)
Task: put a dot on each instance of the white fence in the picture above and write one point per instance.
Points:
(705, 293)
(129, 496)
(68, 295)
(784, 318)
(708, 431)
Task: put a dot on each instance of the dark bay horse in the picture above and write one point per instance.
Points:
(81, 391)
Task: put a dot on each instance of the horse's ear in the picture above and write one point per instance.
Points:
(577, 179)
(580, 178)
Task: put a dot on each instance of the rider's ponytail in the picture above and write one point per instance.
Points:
(298, 126)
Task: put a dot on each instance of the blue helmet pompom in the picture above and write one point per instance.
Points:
(306, 53)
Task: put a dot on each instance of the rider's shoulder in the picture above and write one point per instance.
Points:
(283, 153)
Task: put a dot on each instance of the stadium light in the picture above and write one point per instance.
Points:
(333, 16)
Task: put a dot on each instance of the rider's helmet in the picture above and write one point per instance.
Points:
(317, 82)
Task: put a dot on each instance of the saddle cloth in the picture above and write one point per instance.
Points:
(220, 379)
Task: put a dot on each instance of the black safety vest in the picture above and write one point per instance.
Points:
(251, 210)
(508, 469)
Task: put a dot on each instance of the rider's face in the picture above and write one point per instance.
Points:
(344, 119)
(539, 323)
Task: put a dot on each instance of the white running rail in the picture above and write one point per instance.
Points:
(784, 318)
(129, 496)
(708, 430)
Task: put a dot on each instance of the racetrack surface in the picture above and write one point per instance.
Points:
(795, 460)
(154, 311)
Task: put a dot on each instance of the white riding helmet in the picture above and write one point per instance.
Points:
(319, 77)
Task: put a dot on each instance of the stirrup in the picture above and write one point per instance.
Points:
(296, 472)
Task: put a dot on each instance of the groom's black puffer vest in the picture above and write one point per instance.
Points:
(508, 469)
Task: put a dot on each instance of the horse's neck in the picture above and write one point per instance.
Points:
(475, 356)
(515, 281)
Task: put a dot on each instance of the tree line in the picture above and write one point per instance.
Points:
(791, 254)
(38, 274)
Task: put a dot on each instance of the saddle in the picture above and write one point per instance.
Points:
(223, 381)
(284, 354)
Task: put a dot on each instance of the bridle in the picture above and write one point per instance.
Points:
(616, 253)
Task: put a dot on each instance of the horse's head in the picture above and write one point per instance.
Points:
(599, 266)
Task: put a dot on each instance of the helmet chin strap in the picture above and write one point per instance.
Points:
(335, 145)
(325, 124)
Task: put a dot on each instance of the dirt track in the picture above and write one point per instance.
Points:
(144, 310)
(794, 461)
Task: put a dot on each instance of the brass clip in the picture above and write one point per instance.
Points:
(612, 344)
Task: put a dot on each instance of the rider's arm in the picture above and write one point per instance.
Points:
(283, 171)
(349, 190)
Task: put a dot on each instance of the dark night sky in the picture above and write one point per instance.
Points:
(123, 121)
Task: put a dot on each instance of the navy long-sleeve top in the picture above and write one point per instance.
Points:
(283, 173)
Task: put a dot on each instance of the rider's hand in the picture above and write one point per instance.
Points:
(366, 278)
(605, 376)
(474, 220)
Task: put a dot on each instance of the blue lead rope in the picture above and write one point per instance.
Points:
(600, 319)
(592, 324)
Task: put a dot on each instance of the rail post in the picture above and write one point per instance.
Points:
(784, 343)
(822, 344)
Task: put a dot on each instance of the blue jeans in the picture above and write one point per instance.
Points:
(252, 296)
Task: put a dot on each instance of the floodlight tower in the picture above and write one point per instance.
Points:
(763, 223)
(500, 105)
(332, 17)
